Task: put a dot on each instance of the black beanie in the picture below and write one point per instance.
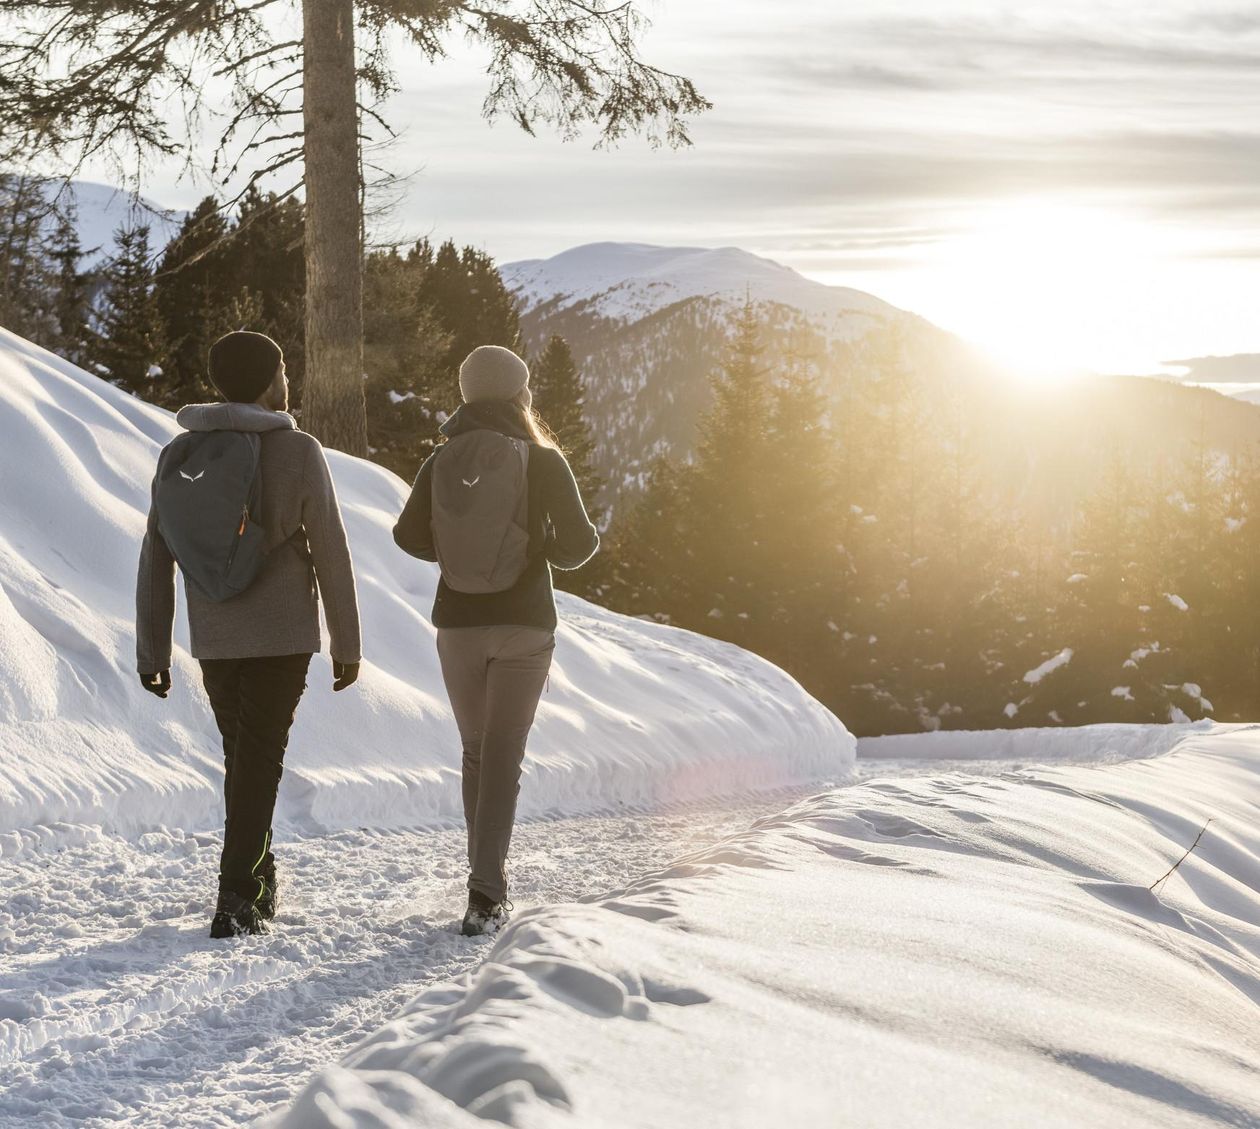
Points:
(243, 365)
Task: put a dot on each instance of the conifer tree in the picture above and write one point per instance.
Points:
(27, 282)
(560, 399)
(128, 348)
(427, 310)
(1112, 672)
(194, 290)
(472, 304)
(650, 555)
(106, 81)
(266, 256)
(405, 346)
(72, 304)
(559, 395)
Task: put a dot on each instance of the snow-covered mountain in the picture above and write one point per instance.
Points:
(648, 325)
(633, 708)
(101, 210)
(629, 281)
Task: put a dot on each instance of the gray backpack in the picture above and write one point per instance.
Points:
(481, 511)
(208, 488)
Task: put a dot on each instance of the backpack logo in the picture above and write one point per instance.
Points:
(463, 480)
(191, 478)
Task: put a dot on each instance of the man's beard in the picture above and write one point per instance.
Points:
(278, 398)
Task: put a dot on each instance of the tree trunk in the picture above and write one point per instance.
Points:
(332, 398)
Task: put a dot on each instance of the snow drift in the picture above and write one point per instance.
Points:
(635, 713)
(949, 951)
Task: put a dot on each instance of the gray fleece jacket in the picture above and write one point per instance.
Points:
(306, 543)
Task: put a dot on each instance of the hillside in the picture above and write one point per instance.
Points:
(648, 325)
(635, 710)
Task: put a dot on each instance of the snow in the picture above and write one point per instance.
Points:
(101, 210)
(1085, 744)
(1051, 664)
(955, 951)
(636, 712)
(631, 280)
(115, 1006)
(955, 942)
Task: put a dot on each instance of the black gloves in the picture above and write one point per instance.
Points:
(344, 674)
(159, 684)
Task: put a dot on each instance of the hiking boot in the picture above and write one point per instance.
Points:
(269, 900)
(235, 916)
(483, 915)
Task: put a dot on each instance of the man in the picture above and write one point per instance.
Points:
(255, 646)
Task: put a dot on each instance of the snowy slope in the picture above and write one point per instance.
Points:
(635, 712)
(628, 281)
(100, 210)
(951, 951)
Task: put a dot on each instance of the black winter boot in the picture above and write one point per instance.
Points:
(235, 916)
(269, 900)
(483, 915)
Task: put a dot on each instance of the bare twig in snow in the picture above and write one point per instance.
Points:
(1172, 869)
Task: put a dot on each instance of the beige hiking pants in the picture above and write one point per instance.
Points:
(494, 677)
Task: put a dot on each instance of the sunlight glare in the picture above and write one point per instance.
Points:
(1048, 288)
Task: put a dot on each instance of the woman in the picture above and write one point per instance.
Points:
(497, 505)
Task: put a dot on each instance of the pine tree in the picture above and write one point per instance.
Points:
(405, 347)
(73, 290)
(194, 291)
(266, 257)
(128, 349)
(567, 64)
(804, 576)
(559, 394)
(468, 298)
(650, 556)
(427, 310)
(27, 276)
(1100, 621)
(560, 400)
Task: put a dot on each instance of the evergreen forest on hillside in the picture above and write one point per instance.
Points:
(870, 546)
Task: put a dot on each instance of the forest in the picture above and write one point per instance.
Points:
(866, 541)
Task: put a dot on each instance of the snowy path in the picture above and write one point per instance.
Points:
(114, 1004)
(116, 1007)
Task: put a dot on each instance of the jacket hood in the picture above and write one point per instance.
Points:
(233, 417)
(503, 416)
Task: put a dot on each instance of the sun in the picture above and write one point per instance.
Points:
(1050, 289)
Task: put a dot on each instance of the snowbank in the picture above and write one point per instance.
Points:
(950, 951)
(635, 712)
(1084, 744)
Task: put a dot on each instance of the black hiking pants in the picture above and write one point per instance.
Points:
(254, 703)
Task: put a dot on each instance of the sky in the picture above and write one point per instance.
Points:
(1068, 184)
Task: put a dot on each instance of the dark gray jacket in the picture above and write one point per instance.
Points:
(306, 542)
(560, 533)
